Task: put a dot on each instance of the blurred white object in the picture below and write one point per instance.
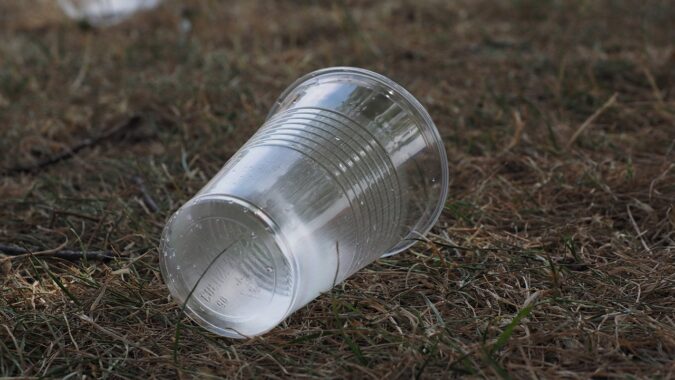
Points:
(104, 12)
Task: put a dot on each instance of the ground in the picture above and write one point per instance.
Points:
(554, 256)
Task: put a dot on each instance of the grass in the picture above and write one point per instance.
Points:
(554, 256)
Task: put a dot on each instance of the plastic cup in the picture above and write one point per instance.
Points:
(348, 167)
(104, 12)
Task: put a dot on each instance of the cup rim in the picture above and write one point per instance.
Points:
(419, 112)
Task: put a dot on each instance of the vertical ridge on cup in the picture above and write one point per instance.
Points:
(347, 168)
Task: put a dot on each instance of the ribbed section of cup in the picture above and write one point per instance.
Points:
(359, 166)
(401, 125)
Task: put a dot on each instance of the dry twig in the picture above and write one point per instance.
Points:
(14, 252)
(132, 122)
(591, 119)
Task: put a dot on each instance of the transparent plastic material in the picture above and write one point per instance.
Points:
(104, 12)
(347, 168)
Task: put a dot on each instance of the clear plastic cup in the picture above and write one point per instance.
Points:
(104, 12)
(348, 167)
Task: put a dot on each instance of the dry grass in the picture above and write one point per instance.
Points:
(554, 256)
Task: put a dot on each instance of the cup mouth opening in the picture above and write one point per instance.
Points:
(427, 127)
(202, 313)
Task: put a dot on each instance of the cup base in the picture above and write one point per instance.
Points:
(226, 258)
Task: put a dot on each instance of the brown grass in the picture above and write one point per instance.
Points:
(554, 256)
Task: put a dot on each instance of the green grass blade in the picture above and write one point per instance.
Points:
(508, 331)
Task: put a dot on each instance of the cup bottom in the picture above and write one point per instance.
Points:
(226, 258)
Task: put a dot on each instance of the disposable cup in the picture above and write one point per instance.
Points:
(104, 12)
(347, 168)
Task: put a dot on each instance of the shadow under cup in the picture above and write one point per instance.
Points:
(347, 168)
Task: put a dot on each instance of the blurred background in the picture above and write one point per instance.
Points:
(553, 256)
